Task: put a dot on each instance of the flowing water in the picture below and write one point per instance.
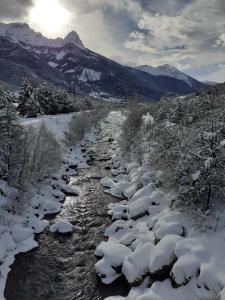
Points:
(62, 268)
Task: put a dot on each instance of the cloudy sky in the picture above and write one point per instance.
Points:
(189, 34)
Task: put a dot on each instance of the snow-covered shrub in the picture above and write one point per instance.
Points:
(9, 129)
(34, 155)
(187, 138)
(130, 138)
(80, 124)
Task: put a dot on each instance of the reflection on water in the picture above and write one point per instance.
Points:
(62, 268)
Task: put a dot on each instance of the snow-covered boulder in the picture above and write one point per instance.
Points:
(162, 229)
(20, 233)
(116, 165)
(131, 166)
(136, 265)
(118, 228)
(143, 238)
(146, 178)
(60, 196)
(163, 256)
(69, 190)
(191, 255)
(130, 190)
(113, 255)
(62, 226)
(139, 208)
(115, 172)
(146, 205)
(117, 189)
(107, 182)
(36, 224)
(8, 241)
(143, 192)
(118, 211)
(50, 207)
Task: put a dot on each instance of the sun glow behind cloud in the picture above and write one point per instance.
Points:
(49, 17)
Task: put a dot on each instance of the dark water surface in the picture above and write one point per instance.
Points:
(62, 268)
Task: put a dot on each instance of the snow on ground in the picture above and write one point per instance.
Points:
(60, 55)
(57, 124)
(158, 250)
(17, 231)
(52, 64)
(89, 75)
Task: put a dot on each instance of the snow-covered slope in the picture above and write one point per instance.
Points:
(68, 64)
(210, 82)
(167, 70)
(22, 34)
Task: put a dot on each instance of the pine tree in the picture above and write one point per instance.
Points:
(45, 98)
(32, 106)
(62, 102)
(24, 96)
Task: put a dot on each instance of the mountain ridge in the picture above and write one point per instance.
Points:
(169, 70)
(23, 34)
(68, 64)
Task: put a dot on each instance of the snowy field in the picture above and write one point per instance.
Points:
(57, 124)
(162, 253)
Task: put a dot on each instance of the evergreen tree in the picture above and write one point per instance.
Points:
(25, 94)
(62, 102)
(32, 106)
(45, 98)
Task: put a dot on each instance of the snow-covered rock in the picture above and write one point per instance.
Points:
(20, 234)
(107, 182)
(62, 226)
(113, 256)
(165, 228)
(136, 265)
(69, 190)
(143, 192)
(118, 211)
(163, 255)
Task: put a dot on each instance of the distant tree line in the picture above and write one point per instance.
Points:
(47, 100)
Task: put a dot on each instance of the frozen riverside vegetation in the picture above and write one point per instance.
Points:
(62, 267)
(149, 252)
(161, 253)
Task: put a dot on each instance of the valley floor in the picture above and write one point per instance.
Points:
(151, 253)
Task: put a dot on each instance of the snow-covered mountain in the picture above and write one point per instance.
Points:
(208, 82)
(22, 34)
(168, 70)
(68, 64)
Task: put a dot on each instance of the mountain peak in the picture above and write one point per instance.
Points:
(168, 70)
(21, 33)
(167, 66)
(73, 38)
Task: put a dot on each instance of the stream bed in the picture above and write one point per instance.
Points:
(62, 267)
